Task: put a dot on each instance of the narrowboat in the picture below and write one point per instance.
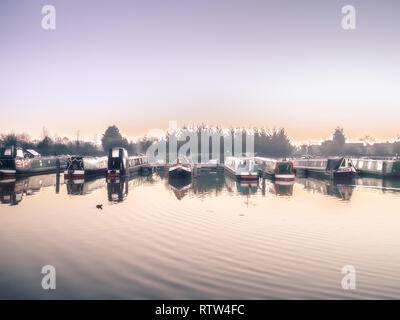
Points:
(378, 167)
(19, 161)
(181, 168)
(280, 170)
(79, 167)
(332, 168)
(241, 168)
(120, 164)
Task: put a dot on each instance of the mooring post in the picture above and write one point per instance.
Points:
(58, 175)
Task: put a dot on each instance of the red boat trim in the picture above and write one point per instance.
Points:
(73, 176)
(284, 179)
(248, 177)
(113, 175)
(8, 174)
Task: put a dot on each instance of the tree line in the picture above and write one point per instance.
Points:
(267, 143)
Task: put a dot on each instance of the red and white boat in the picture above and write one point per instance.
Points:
(279, 170)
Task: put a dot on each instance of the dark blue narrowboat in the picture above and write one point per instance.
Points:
(120, 164)
(19, 161)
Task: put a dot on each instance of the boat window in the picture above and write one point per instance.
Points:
(349, 164)
(115, 153)
(20, 153)
(7, 152)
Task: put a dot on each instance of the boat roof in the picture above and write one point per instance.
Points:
(33, 152)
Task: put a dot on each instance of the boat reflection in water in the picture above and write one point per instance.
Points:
(243, 187)
(386, 185)
(343, 191)
(180, 186)
(118, 189)
(12, 190)
(278, 188)
(84, 186)
(210, 183)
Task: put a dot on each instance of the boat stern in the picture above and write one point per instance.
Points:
(284, 171)
(247, 176)
(113, 174)
(7, 167)
(74, 174)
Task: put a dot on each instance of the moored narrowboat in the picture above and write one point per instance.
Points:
(120, 164)
(332, 168)
(241, 168)
(378, 167)
(19, 161)
(181, 168)
(280, 170)
(79, 167)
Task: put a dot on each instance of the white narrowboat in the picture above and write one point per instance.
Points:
(378, 167)
(241, 168)
(79, 167)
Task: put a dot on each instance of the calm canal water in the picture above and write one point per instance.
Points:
(211, 239)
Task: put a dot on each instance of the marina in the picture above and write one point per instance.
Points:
(247, 205)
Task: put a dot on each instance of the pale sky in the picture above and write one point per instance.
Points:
(140, 64)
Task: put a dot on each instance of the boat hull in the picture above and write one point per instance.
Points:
(80, 174)
(280, 177)
(242, 176)
(179, 172)
(31, 166)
